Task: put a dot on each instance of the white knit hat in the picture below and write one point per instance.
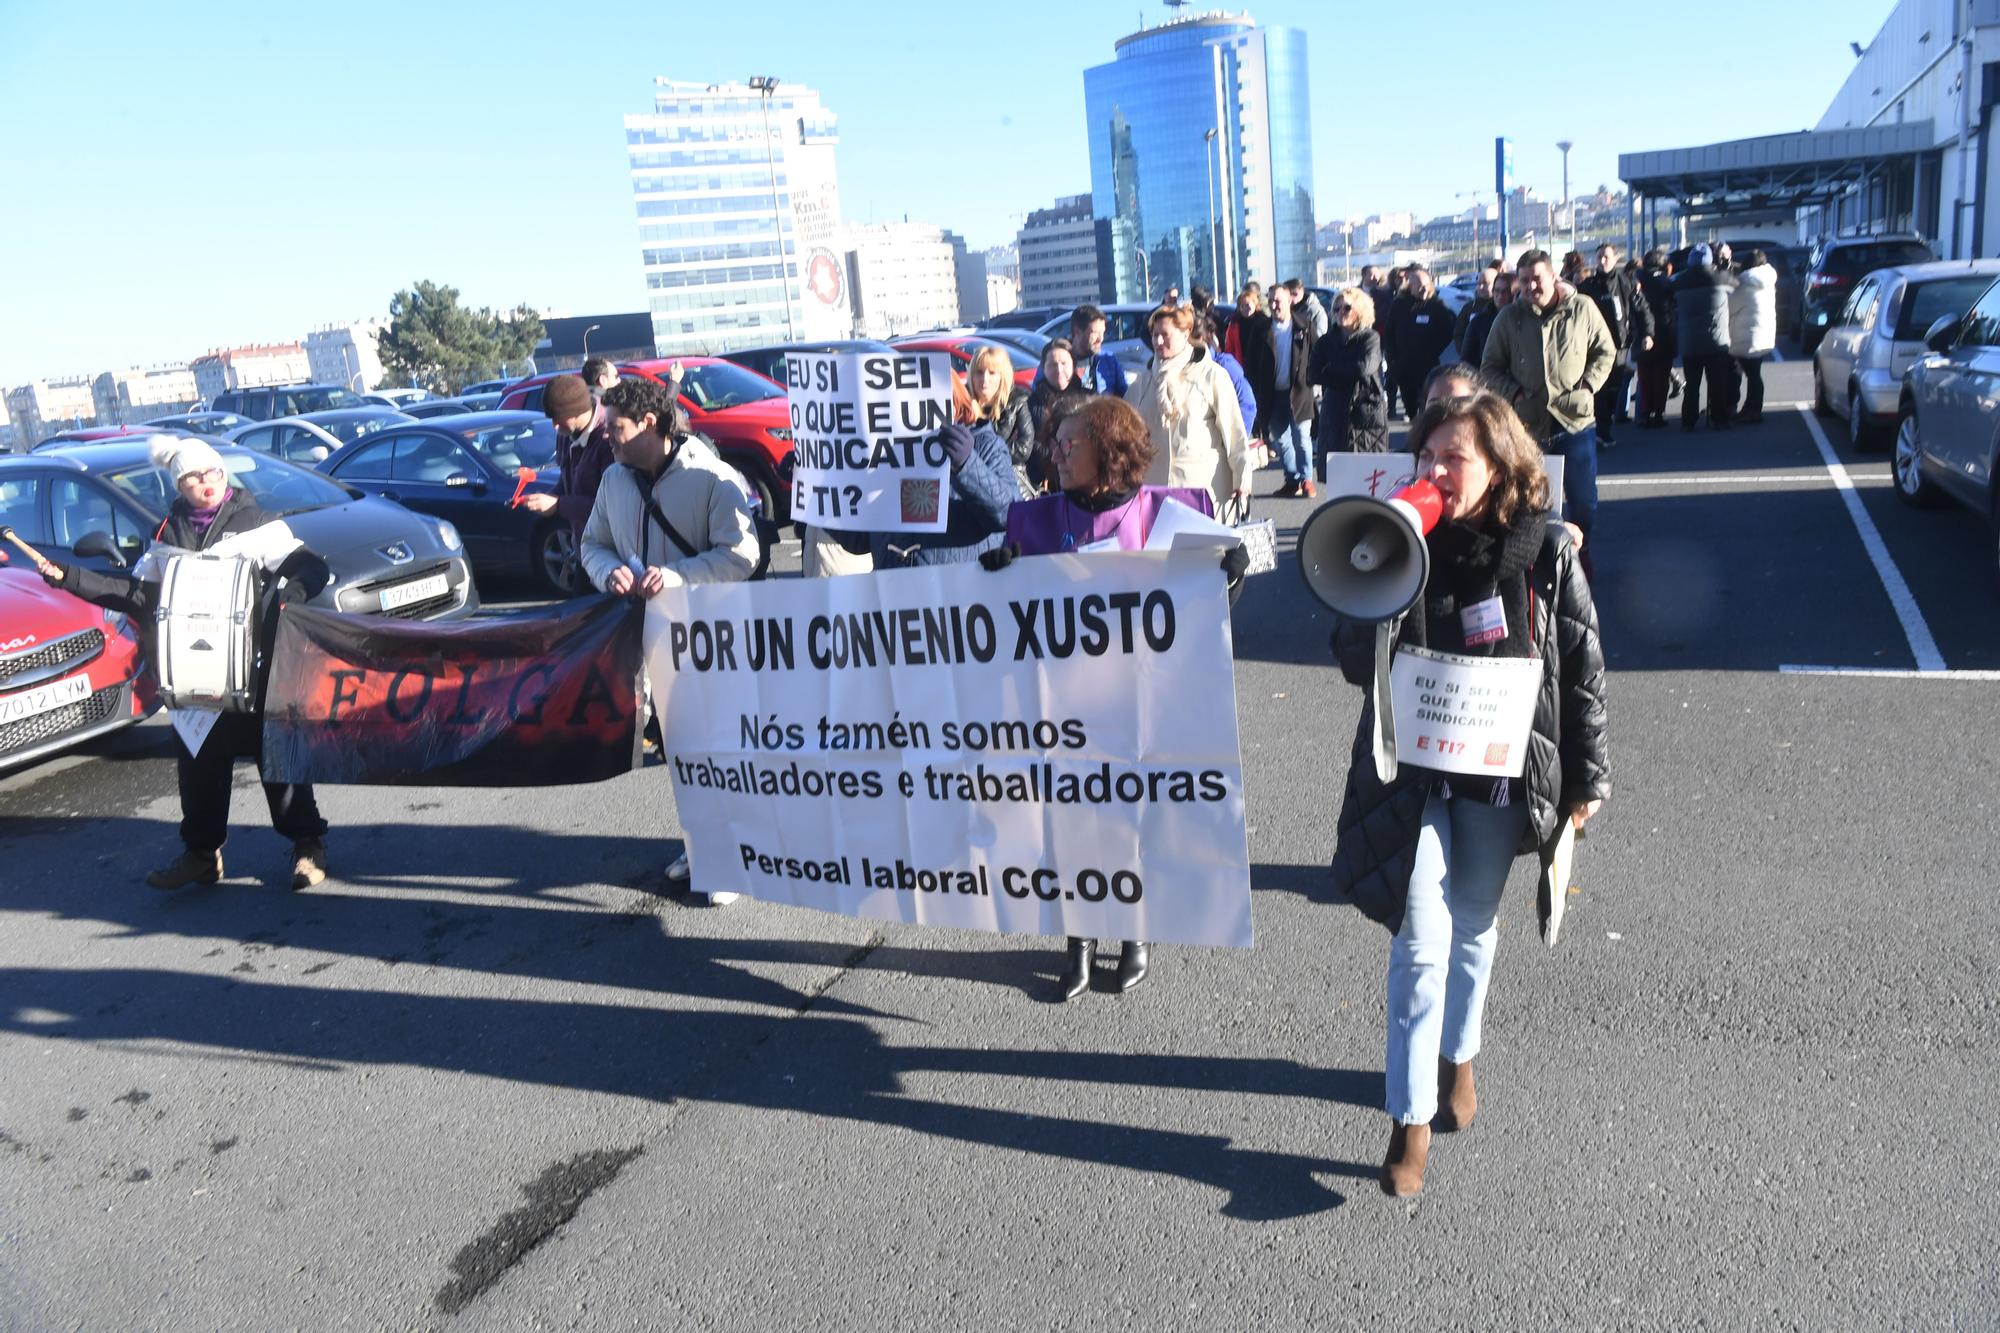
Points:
(182, 454)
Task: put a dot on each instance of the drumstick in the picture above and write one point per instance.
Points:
(41, 562)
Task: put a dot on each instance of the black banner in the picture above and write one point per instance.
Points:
(535, 698)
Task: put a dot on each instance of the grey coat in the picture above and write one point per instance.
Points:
(1701, 311)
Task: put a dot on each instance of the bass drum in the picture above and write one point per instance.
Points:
(207, 633)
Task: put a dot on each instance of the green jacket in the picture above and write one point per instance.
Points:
(1551, 364)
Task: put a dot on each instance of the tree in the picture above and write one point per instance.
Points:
(434, 342)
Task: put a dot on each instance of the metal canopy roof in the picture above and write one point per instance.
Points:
(1775, 171)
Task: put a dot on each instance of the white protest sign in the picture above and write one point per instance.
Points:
(1049, 749)
(865, 430)
(1379, 474)
(1463, 714)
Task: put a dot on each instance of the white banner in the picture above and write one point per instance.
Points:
(865, 427)
(1379, 474)
(1046, 750)
(1463, 714)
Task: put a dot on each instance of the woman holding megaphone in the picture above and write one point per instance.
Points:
(1426, 852)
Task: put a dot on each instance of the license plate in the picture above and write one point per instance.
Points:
(416, 590)
(42, 698)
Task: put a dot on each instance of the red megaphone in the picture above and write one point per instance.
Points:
(522, 477)
(1365, 558)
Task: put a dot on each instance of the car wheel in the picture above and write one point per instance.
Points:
(553, 552)
(1861, 433)
(1912, 487)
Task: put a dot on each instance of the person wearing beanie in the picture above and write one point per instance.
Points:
(583, 453)
(206, 511)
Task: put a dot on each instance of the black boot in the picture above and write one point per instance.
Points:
(1075, 979)
(1132, 965)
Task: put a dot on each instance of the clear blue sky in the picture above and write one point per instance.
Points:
(181, 176)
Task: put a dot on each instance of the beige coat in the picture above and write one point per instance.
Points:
(1190, 410)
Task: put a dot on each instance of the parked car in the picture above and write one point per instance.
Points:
(1879, 334)
(1022, 317)
(99, 434)
(1027, 340)
(398, 398)
(1456, 294)
(745, 415)
(770, 361)
(285, 400)
(962, 348)
(1948, 425)
(465, 470)
(1836, 265)
(384, 558)
(312, 439)
(200, 423)
(68, 670)
(487, 386)
(1125, 334)
(434, 407)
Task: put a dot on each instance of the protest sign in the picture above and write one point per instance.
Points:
(1463, 714)
(529, 699)
(865, 434)
(1379, 474)
(1049, 749)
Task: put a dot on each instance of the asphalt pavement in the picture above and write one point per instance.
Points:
(490, 1075)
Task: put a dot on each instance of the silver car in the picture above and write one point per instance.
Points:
(1878, 335)
(1948, 432)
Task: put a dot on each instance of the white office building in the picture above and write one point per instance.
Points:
(739, 216)
(904, 277)
(347, 354)
(128, 397)
(250, 366)
(40, 408)
(1058, 254)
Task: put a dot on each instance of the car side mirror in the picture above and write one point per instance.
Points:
(97, 544)
(1941, 335)
(460, 480)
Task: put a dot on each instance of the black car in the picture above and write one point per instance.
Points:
(384, 558)
(286, 400)
(466, 470)
(1021, 317)
(435, 407)
(770, 361)
(1836, 265)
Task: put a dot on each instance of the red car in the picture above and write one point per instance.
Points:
(745, 416)
(963, 347)
(68, 670)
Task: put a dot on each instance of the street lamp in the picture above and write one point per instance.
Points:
(586, 339)
(1214, 224)
(765, 86)
(1566, 145)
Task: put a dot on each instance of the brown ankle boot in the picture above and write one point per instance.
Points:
(1457, 1103)
(190, 867)
(1409, 1153)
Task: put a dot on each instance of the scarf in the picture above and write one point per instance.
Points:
(1172, 378)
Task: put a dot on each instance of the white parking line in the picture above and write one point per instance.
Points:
(1922, 646)
(1724, 479)
(1890, 673)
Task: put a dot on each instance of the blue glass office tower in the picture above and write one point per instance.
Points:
(1201, 158)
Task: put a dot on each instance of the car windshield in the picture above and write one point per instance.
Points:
(522, 444)
(323, 400)
(1859, 259)
(1924, 305)
(349, 429)
(714, 387)
(277, 487)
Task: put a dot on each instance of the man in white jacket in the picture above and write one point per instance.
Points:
(1753, 330)
(670, 513)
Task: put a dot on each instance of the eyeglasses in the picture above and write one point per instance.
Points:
(208, 474)
(1341, 307)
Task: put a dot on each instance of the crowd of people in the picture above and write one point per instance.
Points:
(1084, 460)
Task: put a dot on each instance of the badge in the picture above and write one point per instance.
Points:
(1104, 544)
(1483, 622)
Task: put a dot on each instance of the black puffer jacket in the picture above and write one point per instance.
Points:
(1567, 765)
(1701, 311)
(1353, 411)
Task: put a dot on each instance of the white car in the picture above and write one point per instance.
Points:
(311, 439)
(1459, 292)
(1878, 334)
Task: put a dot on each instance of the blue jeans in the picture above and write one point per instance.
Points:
(1442, 958)
(1578, 449)
(1294, 449)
